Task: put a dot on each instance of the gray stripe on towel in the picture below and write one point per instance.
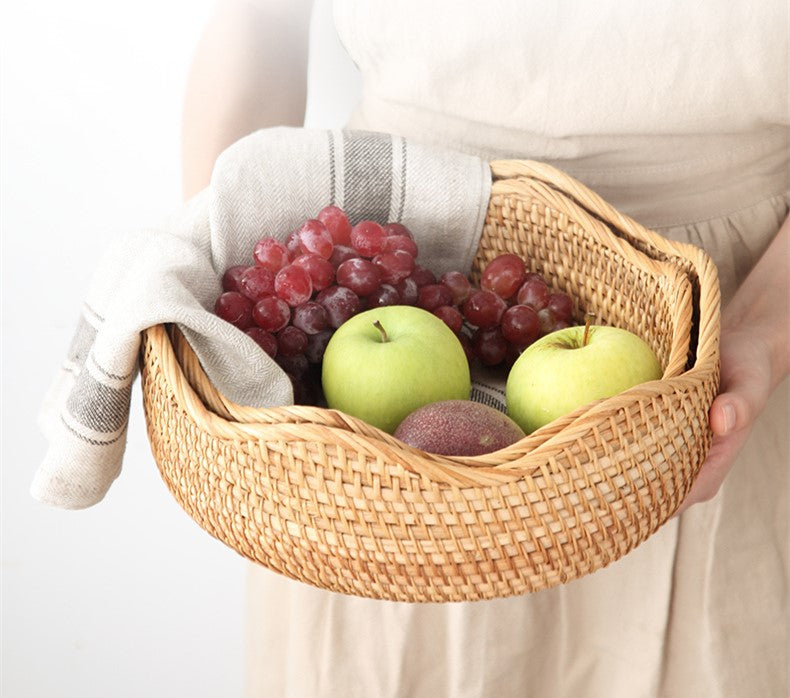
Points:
(332, 176)
(89, 440)
(367, 162)
(97, 406)
(402, 189)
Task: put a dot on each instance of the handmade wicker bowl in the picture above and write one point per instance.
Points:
(327, 499)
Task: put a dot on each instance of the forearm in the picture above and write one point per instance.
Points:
(249, 72)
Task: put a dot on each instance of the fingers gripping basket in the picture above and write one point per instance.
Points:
(332, 501)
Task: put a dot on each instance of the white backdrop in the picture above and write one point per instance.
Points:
(130, 597)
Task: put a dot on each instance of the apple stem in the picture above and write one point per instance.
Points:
(586, 335)
(380, 328)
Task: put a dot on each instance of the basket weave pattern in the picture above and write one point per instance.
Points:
(324, 498)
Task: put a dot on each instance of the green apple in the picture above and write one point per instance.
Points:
(384, 363)
(572, 367)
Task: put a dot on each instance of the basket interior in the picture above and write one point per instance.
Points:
(578, 253)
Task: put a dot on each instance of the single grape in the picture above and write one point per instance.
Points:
(513, 352)
(394, 266)
(534, 292)
(292, 244)
(320, 270)
(232, 276)
(458, 284)
(271, 313)
(341, 253)
(310, 317)
(503, 275)
(235, 308)
(484, 309)
(340, 304)
(468, 347)
(408, 291)
(401, 242)
(291, 341)
(561, 305)
(270, 253)
(433, 296)
(292, 283)
(337, 223)
(295, 365)
(547, 320)
(367, 238)
(520, 325)
(423, 276)
(362, 276)
(315, 238)
(256, 282)
(316, 345)
(451, 316)
(560, 325)
(397, 229)
(386, 294)
(490, 346)
(265, 340)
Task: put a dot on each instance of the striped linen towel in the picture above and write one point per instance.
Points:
(265, 184)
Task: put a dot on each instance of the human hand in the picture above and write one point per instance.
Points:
(744, 389)
(755, 356)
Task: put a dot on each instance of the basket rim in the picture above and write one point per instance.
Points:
(224, 419)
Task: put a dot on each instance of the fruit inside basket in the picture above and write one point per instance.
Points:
(333, 501)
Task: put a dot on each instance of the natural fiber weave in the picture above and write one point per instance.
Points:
(327, 499)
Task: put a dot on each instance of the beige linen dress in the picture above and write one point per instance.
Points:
(677, 114)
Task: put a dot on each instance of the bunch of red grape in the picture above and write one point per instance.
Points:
(509, 311)
(295, 293)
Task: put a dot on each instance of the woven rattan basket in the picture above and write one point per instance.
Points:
(329, 500)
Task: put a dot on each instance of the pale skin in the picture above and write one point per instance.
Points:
(249, 72)
(755, 357)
